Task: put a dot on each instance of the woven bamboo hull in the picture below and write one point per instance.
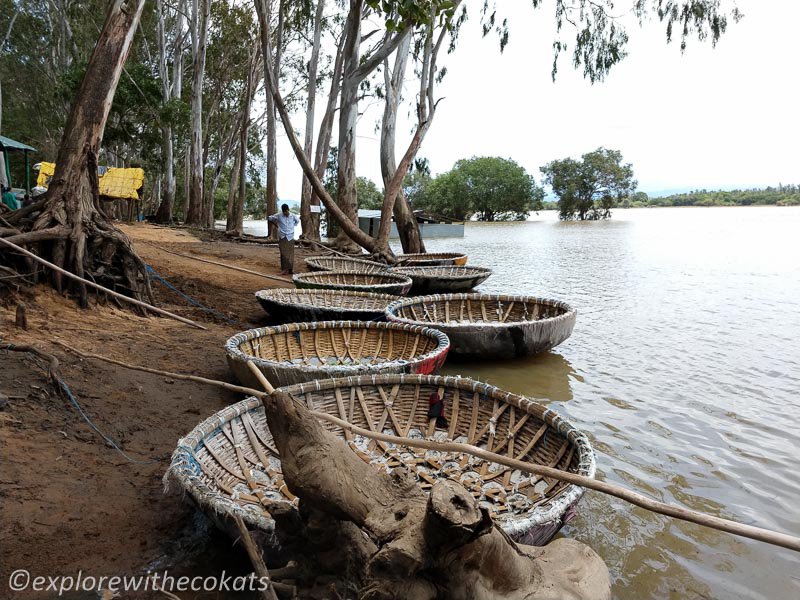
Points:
(211, 462)
(340, 263)
(291, 352)
(445, 285)
(305, 314)
(382, 283)
(508, 342)
(482, 340)
(283, 310)
(443, 279)
(433, 259)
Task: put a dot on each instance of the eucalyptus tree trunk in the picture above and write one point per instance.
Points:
(426, 108)
(308, 220)
(241, 162)
(336, 213)
(407, 226)
(72, 229)
(167, 196)
(224, 152)
(271, 205)
(199, 29)
(354, 71)
(326, 127)
(346, 195)
(231, 225)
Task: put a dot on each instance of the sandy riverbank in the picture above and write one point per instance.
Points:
(69, 501)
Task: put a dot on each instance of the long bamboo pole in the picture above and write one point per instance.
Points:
(221, 264)
(774, 538)
(122, 297)
(255, 558)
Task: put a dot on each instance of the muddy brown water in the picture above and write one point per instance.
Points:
(684, 369)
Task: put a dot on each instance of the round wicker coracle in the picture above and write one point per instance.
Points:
(341, 263)
(211, 462)
(429, 280)
(490, 325)
(289, 306)
(383, 283)
(298, 352)
(432, 259)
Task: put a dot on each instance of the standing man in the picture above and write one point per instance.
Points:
(286, 223)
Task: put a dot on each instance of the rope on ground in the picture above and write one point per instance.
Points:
(152, 273)
(219, 264)
(96, 286)
(774, 538)
(52, 371)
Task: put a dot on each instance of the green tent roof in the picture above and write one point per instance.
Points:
(11, 145)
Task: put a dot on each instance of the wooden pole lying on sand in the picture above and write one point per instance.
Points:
(117, 295)
(220, 264)
(670, 510)
(256, 559)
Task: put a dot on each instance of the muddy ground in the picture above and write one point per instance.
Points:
(69, 501)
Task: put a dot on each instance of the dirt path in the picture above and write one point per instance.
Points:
(71, 502)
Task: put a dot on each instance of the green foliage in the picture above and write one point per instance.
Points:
(782, 195)
(369, 196)
(399, 14)
(600, 40)
(491, 188)
(415, 187)
(590, 187)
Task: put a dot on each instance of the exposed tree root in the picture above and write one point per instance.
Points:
(408, 544)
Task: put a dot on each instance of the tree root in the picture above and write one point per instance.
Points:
(418, 546)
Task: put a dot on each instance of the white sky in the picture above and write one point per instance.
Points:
(711, 118)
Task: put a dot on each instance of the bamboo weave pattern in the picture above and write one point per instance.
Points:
(229, 464)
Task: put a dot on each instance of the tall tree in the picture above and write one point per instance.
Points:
(407, 226)
(355, 70)
(325, 133)
(589, 188)
(226, 104)
(488, 187)
(308, 219)
(434, 28)
(171, 89)
(199, 33)
(72, 229)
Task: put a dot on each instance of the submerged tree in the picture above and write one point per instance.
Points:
(589, 188)
(488, 187)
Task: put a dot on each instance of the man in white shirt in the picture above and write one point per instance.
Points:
(286, 223)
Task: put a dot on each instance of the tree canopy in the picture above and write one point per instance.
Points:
(487, 187)
(780, 195)
(587, 189)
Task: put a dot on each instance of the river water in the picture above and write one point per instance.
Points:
(684, 369)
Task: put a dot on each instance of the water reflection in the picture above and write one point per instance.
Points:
(545, 377)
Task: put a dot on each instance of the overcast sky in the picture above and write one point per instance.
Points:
(711, 118)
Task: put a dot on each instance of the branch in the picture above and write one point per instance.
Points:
(8, 32)
(381, 53)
